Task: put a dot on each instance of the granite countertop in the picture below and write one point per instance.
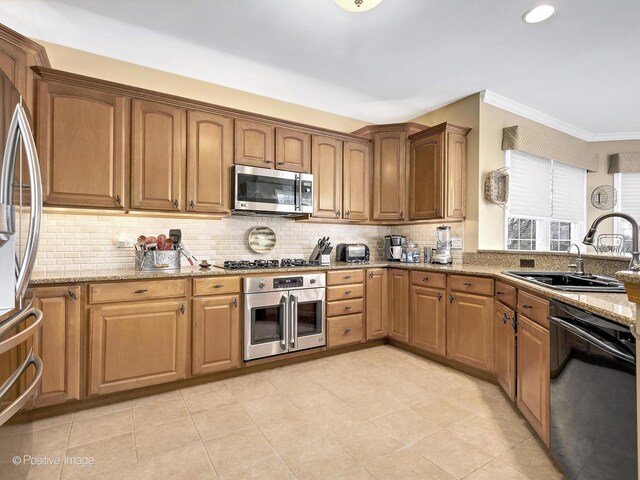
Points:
(628, 276)
(614, 306)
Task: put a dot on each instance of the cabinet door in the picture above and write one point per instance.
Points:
(399, 305)
(389, 175)
(326, 165)
(216, 334)
(83, 146)
(133, 345)
(469, 332)
(158, 156)
(428, 319)
(504, 348)
(293, 150)
(58, 344)
(426, 179)
(355, 200)
(254, 144)
(376, 303)
(209, 160)
(533, 375)
(456, 175)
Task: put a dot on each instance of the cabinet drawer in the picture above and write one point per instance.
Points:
(344, 292)
(429, 279)
(148, 289)
(343, 277)
(216, 285)
(507, 294)
(345, 307)
(345, 330)
(535, 308)
(464, 283)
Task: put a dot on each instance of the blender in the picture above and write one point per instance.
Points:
(442, 255)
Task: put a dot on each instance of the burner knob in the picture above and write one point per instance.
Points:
(261, 284)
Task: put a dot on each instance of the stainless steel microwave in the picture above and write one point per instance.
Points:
(262, 190)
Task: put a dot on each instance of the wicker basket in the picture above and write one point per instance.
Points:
(157, 260)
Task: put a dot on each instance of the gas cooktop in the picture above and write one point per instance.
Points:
(252, 264)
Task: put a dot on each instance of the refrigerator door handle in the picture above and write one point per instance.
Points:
(18, 403)
(20, 134)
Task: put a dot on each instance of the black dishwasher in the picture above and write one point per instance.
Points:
(593, 395)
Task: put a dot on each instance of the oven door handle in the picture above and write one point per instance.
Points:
(284, 321)
(583, 334)
(294, 320)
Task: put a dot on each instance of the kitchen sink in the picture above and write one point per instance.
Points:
(570, 282)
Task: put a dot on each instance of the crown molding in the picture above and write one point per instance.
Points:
(532, 114)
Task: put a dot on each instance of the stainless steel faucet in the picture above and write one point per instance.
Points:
(634, 264)
(579, 265)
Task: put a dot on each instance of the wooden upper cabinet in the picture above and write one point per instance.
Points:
(504, 348)
(158, 156)
(293, 150)
(428, 319)
(326, 166)
(82, 136)
(355, 181)
(209, 160)
(389, 175)
(58, 344)
(533, 395)
(398, 304)
(254, 144)
(426, 173)
(376, 303)
(437, 176)
(469, 330)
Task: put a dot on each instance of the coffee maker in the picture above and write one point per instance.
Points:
(393, 245)
(443, 246)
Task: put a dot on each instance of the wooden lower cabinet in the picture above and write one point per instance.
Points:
(137, 344)
(428, 319)
(504, 348)
(533, 376)
(58, 344)
(399, 305)
(376, 303)
(345, 330)
(216, 334)
(469, 332)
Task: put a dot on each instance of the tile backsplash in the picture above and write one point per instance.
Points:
(73, 243)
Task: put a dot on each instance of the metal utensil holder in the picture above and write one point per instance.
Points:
(151, 260)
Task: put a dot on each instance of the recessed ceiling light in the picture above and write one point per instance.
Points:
(538, 14)
(358, 5)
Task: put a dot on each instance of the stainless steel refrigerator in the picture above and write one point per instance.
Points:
(20, 220)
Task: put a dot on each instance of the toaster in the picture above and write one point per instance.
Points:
(352, 253)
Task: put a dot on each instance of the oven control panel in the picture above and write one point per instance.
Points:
(288, 282)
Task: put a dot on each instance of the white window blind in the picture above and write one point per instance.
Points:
(529, 185)
(630, 194)
(568, 192)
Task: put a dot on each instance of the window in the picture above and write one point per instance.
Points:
(547, 204)
(628, 187)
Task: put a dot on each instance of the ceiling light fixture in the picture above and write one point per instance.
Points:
(358, 5)
(538, 14)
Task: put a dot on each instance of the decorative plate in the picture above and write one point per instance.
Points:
(262, 239)
(604, 197)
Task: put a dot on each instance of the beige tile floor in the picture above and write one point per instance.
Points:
(379, 413)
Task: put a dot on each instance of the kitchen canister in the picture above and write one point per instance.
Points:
(152, 260)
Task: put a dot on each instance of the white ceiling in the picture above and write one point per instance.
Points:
(393, 63)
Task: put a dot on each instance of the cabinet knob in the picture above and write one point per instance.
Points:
(280, 163)
(268, 161)
(370, 274)
(176, 203)
(348, 292)
(527, 306)
(235, 302)
(72, 295)
(348, 213)
(338, 213)
(439, 296)
(346, 277)
(505, 318)
(182, 309)
(467, 284)
(450, 298)
(437, 211)
(347, 330)
(401, 214)
(499, 293)
(142, 290)
(425, 279)
(218, 285)
(118, 200)
(347, 308)
(192, 205)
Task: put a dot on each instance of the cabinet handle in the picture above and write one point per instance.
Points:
(346, 331)
(338, 213)
(346, 277)
(280, 163)
(142, 290)
(467, 284)
(499, 293)
(425, 279)
(118, 200)
(176, 203)
(401, 214)
(527, 306)
(192, 205)
(347, 308)
(370, 274)
(348, 292)
(348, 213)
(450, 298)
(182, 309)
(218, 285)
(439, 296)
(268, 161)
(437, 211)
(72, 295)
(235, 302)
(505, 317)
